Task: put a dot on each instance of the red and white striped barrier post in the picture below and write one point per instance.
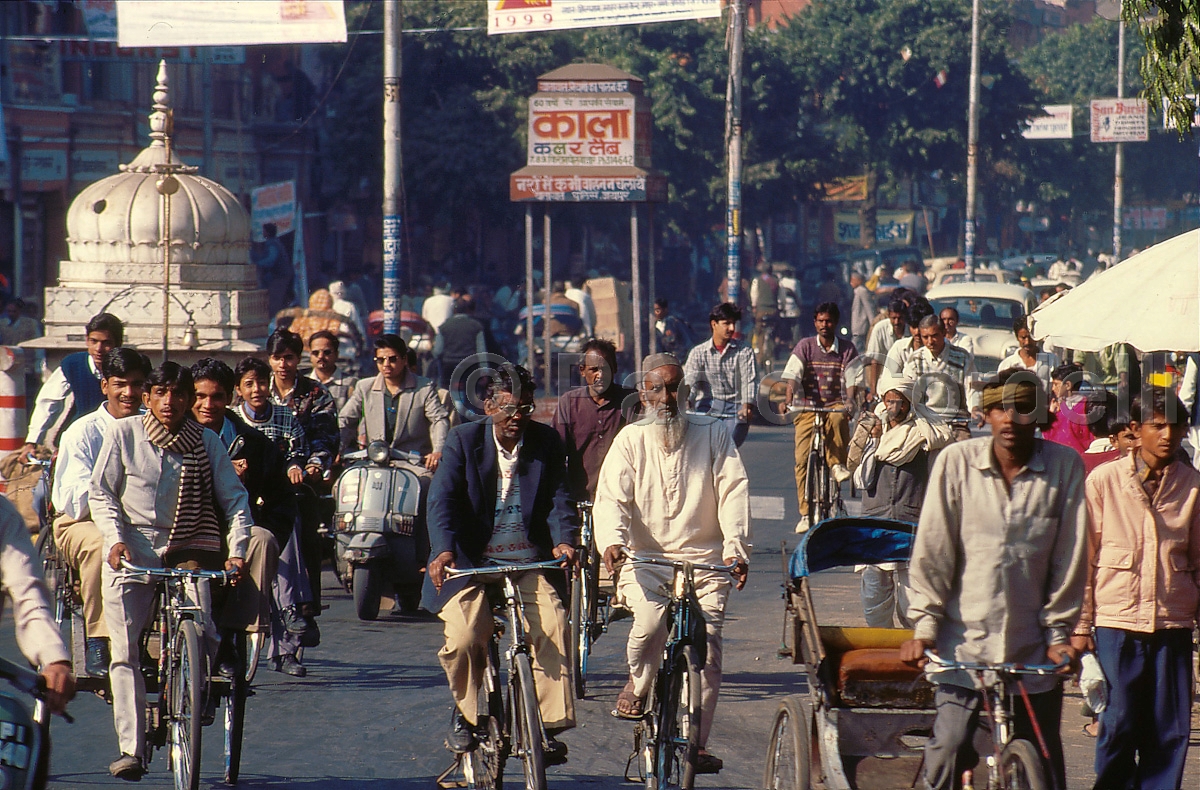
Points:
(12, 398)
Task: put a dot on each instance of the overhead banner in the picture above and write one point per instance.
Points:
(273, 203)
(533, 16)
(170, 23)
(1056, 124)
(1120, 121)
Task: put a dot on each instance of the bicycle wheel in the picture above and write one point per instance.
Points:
(789, 752)
(527, 730)
(1021, 767)
(186, 705)
(54, 573)
(577, 632)
(235, 713)
(484, 766)
(812, 489)
(677, 740)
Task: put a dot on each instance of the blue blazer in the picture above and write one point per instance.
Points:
(462, 499)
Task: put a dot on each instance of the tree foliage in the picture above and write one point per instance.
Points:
(1171, 65)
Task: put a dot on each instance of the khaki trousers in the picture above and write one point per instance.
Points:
(467, 618)
(82, 546)
(640, 589)
(128, 604)
(837, 439)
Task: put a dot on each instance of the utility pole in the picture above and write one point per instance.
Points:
(392, 219)
(972, 146)
(733, 159)
(1119, 168)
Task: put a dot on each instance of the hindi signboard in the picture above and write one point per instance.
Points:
(1120, 121)
(579, 187)
(1056, 124)
(170, 23)
(892, 228)
(531, 16)
(273, 203)
(583, 130)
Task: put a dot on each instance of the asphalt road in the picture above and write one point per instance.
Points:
(373, 710)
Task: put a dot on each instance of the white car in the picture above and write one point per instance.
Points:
(986, 312)
(981, 276)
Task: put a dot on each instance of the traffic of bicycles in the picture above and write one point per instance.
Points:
(1020, 518)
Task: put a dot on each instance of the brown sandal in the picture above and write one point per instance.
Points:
(629, 705)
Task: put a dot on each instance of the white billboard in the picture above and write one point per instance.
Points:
(531, 16)
(1056, 124)
(587, 130)
(171, 23)
(1120, 121)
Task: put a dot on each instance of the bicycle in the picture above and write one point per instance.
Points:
(823, 494)
(182, 683)
(1015, 763)
(26, 753)
(666, 741)
(591, 609)
(509, 722)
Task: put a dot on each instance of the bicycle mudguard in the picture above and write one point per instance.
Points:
(697, 634)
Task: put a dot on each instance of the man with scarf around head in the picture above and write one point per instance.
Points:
(900, 441)
(997, 573)
(673, 487)
(160, 485)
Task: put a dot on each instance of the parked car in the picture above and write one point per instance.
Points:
(986, 312)
(1018, 262)
(949, 276)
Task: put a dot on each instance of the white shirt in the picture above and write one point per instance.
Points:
(509, 542)
(78, 448)
(437, 309)
(692, 504)
(51, 401)
(965, 342)
(899, 355)
(587, 309)
(1043, 365)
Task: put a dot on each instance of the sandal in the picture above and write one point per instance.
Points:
(1092, 730)
(629, 705)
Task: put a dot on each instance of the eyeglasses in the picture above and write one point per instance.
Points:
(513, 409)
(387, 360)
(322, 352)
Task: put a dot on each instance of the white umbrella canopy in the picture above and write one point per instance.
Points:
(1148, 301)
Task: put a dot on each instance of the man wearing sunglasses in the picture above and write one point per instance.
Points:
(500, 496)
(396, 406)
(323, 347)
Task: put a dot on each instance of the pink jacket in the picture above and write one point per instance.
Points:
(1143, 556)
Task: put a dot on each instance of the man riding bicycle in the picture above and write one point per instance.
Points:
(160, 491)
(500, 496)
(820, 369)
(673, 487)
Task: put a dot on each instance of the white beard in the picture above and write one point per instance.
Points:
(671, 431)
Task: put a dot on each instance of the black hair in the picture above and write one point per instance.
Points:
(1158, 400)
(209, 369)
(897, 305)
(918, 310)
(393, 342)
(282, 340)
(172, 375)
(1020, 323)
(725, 311)
(123, 362)
(411, 356)
(661, 302)
(830, 309)
(605, 349)
(270, 230)
(107, 322)
(253, 365)
(325, 334)
(509, 378)
(952, 309)
(1108, 419)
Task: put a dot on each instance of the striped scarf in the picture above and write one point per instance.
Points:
(194, 526)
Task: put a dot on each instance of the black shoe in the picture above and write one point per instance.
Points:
(708, 763)
(293, 622)
(227, 657)
(97, 659)
(288, 665)
(554, 752)
(311, 637)
(461, 737)
(127, 767)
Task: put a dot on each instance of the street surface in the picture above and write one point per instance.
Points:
(374, 708)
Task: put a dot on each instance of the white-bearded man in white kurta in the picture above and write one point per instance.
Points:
(673, 487)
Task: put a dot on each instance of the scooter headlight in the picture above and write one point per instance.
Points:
(378, 453)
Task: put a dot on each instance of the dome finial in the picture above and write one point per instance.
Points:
(160, 119)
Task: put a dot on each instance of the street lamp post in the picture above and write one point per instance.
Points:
(733, 144)
(1119, 164)
(972, 146)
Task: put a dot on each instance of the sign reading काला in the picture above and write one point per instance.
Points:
(273, 203)
(1120, 121)
(591, 130)
(529, 16)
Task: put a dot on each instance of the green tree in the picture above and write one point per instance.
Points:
(1171, 64)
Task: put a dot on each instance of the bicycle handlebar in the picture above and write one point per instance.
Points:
(491, 570)
(802, 409)
(946, 665)
(175, 573)
(702, 566)
(45, 463)
(28, 681)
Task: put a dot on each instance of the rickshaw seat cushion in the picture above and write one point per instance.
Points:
(874, 664)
